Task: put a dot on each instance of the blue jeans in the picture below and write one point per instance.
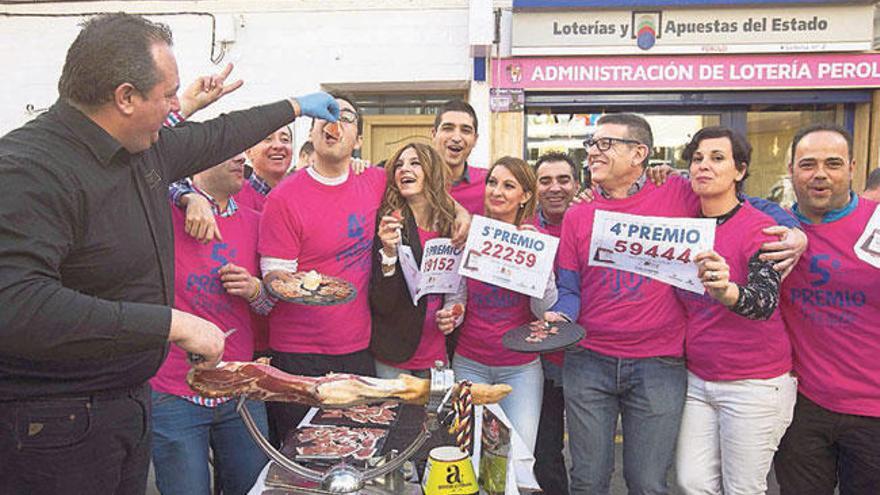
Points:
(647, 393)
(549, 461)
(182, 433)
(523, 405)
(391, 372)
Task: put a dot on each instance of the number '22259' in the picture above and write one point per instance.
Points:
(507, 253)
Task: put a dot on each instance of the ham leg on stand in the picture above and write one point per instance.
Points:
(259, 380)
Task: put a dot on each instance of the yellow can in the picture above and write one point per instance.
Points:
(449, 472)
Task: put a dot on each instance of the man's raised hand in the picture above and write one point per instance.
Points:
(206, 90)
(318, 105)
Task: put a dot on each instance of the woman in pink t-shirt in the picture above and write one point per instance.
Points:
(740, 394)
(492, 311)
(416, 207)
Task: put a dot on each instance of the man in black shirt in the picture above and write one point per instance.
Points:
(86, 269)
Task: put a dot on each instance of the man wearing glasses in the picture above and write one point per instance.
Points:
(322, 220)
(631, 362)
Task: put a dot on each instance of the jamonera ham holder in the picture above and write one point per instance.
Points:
(447, 404)
(259, 380)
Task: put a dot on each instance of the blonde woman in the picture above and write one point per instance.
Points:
(510, 197)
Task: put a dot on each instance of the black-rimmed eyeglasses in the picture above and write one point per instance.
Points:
(605, 143)
(348, 116)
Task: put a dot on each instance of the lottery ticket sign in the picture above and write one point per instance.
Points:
(438, 273)
(662, 248)
(867, 248)
(500, 254)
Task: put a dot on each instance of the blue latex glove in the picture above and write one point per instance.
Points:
(319, 105)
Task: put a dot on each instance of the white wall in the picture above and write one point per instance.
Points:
(280, 48)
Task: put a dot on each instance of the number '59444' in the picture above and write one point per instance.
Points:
(638, 249)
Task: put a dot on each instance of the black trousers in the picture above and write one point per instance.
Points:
(98, 444)
(549, 463)
(823, 448)
(285, 416)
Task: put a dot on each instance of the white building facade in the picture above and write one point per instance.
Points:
(423, 49)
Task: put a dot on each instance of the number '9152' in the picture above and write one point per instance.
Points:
(439, 265)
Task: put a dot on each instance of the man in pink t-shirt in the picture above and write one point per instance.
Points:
(631, 361)
(220, 282)
(454, 136)
(831, 306)
(322, 219)
(558, 182)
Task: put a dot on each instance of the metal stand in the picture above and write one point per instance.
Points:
(387, 477)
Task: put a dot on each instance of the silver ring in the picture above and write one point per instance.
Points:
(713, 276)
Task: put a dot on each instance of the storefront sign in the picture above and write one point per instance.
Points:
(558, 4)
(809, 71)
(499, 253)
(809, 28)
(658, 247)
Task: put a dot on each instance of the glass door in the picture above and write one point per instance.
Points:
(566, 132)
(768, 119)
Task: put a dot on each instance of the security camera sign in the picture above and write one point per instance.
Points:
(662, 248)
(502, 254)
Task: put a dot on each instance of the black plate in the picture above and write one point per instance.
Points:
(314, 299)
(569, 334)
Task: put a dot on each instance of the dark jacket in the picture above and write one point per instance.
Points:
(397, 323)
(86, 246)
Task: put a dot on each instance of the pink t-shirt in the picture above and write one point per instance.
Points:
(198, 290)
(626, 315)
(248, 196)
(720, 344)
(432, 346)
(470, 193)
(328, 229)
(831, 305)
(492, 312)
(557, 358)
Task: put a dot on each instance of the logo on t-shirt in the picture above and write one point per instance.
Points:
(355, 254)
(219, 254)
(822, 302)
(623, 285)
(496, 298)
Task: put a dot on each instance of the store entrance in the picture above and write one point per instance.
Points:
(768, 120)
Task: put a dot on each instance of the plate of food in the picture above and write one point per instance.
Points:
(333, 443)
(543, 336)
(309, 288)
(382, 415)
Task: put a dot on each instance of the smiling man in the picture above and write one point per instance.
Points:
(86, 257)
(631, 362)
(270, 159)
(219, 282)
(831, 305)
(322, 219)
(557, 185)
(454, 137)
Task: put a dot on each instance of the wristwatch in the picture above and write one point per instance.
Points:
(387, 260)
